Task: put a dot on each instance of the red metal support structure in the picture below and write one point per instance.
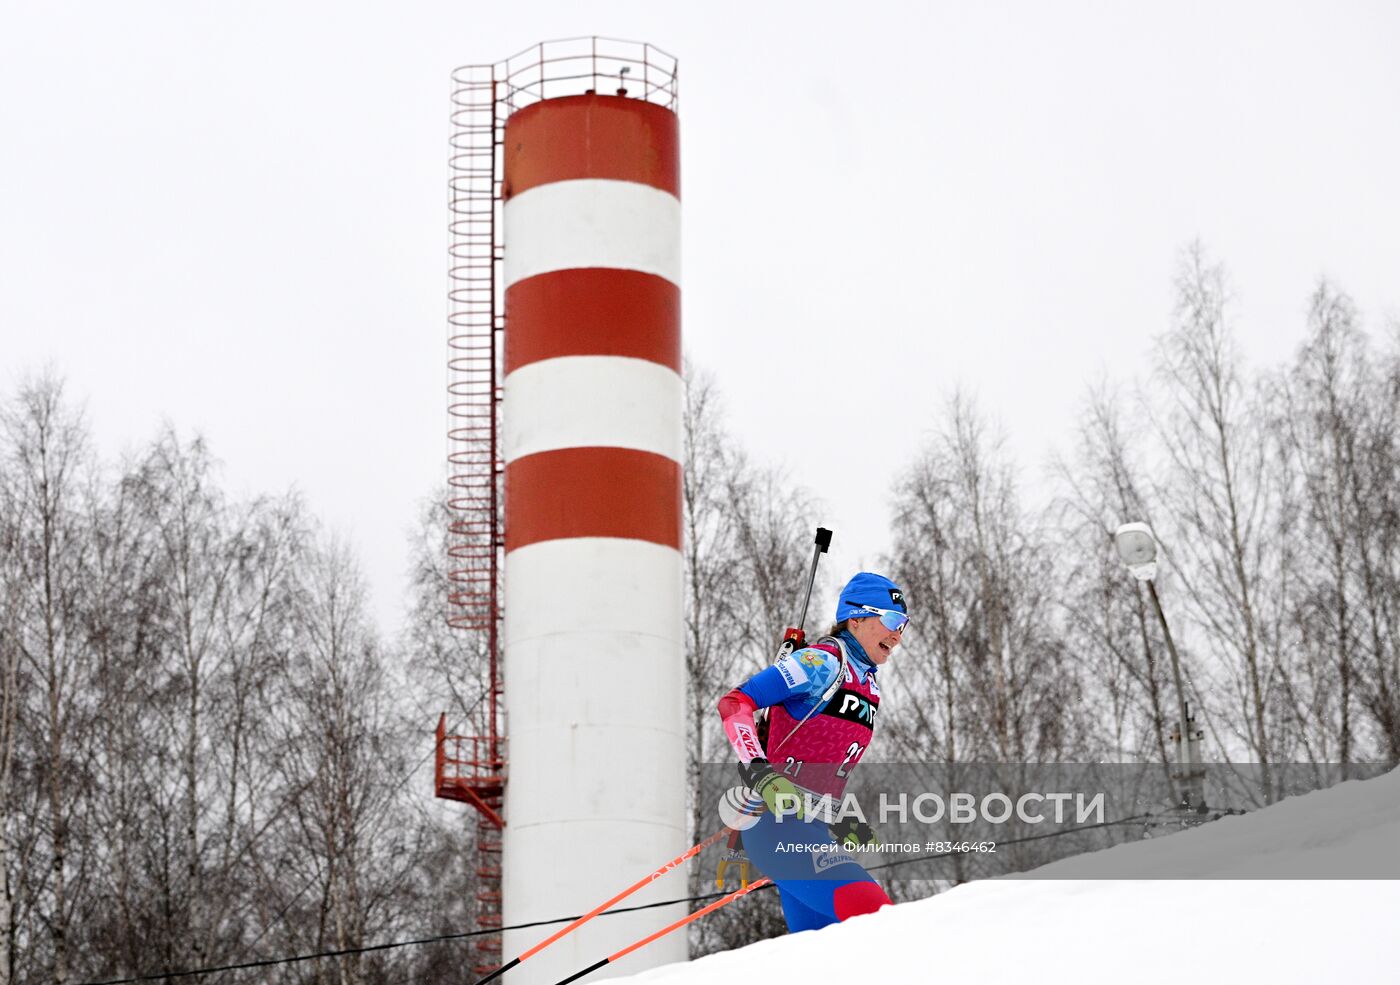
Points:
(471, 768)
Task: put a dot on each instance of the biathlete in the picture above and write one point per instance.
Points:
(822, 702)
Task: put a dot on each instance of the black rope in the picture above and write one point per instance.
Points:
(1132, 819)
(368, 948)
(157, 976)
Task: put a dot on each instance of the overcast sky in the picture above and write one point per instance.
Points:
(232, 216)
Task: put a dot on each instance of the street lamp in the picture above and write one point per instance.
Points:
(1137, 549)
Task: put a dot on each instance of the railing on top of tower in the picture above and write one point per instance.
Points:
(575, 66)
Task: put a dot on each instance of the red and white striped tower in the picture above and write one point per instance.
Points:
(591, 425)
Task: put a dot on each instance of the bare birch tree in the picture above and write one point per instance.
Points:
(1375, 500)
(11, 700)
(48, 475)
(343, 757)
(1109, 620)
(1219, 499)
(1317, 423)
(981, 574)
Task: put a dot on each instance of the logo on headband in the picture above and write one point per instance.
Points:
(897, 599)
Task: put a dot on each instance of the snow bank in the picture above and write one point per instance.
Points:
(1229, 921)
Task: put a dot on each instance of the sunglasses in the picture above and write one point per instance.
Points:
(891, 619)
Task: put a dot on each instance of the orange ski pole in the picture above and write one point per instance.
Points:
(666, 930)
(640, 883)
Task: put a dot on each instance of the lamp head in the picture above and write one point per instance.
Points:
(1137, 549)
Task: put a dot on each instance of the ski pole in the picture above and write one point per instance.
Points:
(793, 636)
(666, 930)
(640, 883)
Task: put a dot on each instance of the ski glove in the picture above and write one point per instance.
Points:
(853, 835)
(735, 854)
(778, 792)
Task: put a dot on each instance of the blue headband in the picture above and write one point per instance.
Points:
(868, 588)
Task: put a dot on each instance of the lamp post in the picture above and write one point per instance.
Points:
(1137, 549)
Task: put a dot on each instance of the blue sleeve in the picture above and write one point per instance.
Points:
(804, 674)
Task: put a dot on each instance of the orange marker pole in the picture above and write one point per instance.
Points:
(663, 932)
(639, 884)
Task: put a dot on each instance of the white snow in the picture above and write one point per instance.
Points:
(1223, 924)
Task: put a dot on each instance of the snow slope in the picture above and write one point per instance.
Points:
(1228, 922)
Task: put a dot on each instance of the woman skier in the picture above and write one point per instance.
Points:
(823, 700)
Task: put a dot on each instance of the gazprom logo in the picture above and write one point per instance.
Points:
(821, 861)
(791, 672)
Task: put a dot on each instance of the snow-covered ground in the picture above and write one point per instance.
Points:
(1227, 922)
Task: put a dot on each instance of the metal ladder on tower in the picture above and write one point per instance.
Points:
(468, 772)
(471, 768)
